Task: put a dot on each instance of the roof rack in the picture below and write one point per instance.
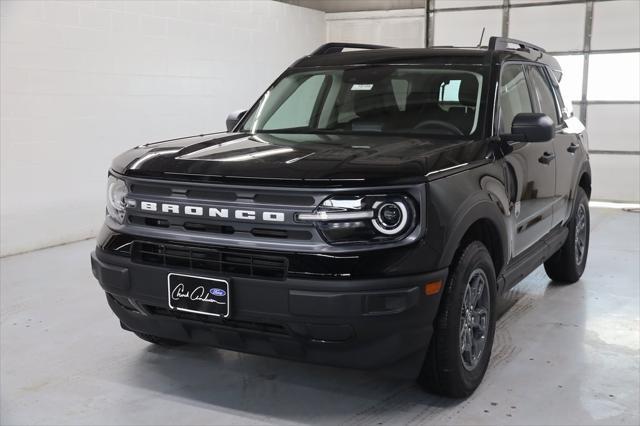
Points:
(329, 48)
(502, 43)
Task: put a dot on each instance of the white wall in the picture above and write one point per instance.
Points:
(399, 28)
(85, 80)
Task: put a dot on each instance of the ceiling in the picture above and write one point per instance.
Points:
(357, 5)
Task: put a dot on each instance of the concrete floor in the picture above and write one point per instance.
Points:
(563, 355)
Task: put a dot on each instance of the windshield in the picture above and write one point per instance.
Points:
(372, 99)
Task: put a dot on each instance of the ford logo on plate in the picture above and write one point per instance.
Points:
(218, 292)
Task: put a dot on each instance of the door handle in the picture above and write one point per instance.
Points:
(573, 147)
(547, 158)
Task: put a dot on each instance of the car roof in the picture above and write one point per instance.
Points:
(433, 55)
(390, 55)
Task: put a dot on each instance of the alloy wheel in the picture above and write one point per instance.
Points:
(474, 319)
(581, 233)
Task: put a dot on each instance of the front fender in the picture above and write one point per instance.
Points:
(469, 213)
(462, 200)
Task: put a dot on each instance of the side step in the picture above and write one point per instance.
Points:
(536, 255)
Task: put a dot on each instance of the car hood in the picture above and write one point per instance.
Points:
(312, 158)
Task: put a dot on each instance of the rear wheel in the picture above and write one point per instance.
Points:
(460, 348)
(567, 264)
(158, 340)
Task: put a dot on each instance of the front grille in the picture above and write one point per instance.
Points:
(236, 324)
(258, 202)
(216, 228)
(207, 259)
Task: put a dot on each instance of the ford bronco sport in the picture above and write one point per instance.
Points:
(366, 211)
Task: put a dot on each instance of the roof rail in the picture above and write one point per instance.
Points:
(502, 43)
(329, 48)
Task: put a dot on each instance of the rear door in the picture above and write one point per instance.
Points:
(531, 165)
(565, 141)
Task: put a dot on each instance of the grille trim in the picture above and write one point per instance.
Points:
(265, 197)
(209, 259)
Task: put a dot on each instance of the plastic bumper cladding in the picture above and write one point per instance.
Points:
(351, 323)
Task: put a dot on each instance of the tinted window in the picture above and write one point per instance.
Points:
(565, 109)
(400, 92)
(545, 101)
(435, 101)
(514, 95)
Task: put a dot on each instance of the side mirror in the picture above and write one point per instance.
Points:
(531, 127)
(234, 118)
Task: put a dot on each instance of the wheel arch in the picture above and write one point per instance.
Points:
(581, 179)
(584, 181)
(483, 222)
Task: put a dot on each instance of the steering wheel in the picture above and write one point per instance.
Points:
(444, 124)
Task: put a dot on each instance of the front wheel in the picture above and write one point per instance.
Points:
(460, 348)
(568, 263)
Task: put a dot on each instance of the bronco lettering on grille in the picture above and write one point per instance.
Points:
(212, 212)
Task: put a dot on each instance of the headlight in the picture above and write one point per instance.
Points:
(391, 217)
(364, 219)
(116, 199)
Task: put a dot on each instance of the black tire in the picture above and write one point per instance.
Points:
(160, 341)
(567, 264)
(444, 370)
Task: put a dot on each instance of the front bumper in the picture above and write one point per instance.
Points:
(364, 323)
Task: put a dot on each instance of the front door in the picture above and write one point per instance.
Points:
(532, 166)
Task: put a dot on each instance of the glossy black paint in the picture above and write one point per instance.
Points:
(311, 158)
(514, 196)
(532, 127)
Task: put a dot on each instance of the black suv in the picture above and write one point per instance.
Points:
(367, 211)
